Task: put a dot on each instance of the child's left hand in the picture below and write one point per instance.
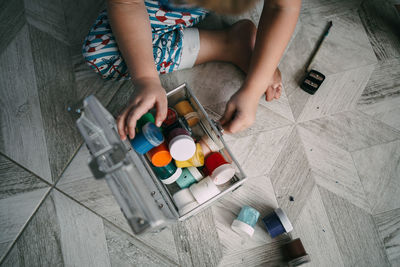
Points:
(240, 111)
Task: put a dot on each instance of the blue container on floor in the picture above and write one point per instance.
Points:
(246, 220)
(277, 223)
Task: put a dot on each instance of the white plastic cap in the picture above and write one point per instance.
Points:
(223, 174)
(184, 200)
(173, 177)
(188, 207)
(284, 220)
(242, 228)
(204, 190)
(182, 147)
(196, 173)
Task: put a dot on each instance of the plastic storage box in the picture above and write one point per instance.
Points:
(145, 201)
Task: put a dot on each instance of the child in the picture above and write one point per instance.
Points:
(156, 37)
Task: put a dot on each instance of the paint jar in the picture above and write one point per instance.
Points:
(295, 253)
(277, 223)
(159, 156)
(149, 137)
(218, 168)
(208, 145)
(172, 117)
(168, 174)
(148, 117)
(186, 110)
(184, 201)
(181, 145)
(204, 190)
(189, 176)
(179, 123)
(196, 161)
(246, 220)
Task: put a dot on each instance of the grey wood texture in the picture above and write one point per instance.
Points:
(335, 153)
(381, 97)
(355, 232)
(196, 241)
(20, 194)
(22, 135)
(388, 227)
(57, 121)
(382, 24)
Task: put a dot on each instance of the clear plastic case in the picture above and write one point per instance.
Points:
(145, 201)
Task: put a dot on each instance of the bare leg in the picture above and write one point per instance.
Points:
(234, 45)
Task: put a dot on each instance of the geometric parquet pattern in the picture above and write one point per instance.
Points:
(331, 161)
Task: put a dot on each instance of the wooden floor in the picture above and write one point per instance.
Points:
(337, 153)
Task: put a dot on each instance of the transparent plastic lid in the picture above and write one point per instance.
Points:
(144, 203)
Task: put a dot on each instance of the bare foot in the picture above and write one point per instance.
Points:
(274, 90)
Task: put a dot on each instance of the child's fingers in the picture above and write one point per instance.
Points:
(234, 126)
(278, 91)
(136, 112)
(121, 123)
(162, 108)
(228, 114)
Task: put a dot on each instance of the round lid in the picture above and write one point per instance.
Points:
(152, 134)
(223, 174)
(182, 147)
(183, 197)
(196, 173)
(242, 228)
(173, 177)
(188, 208)
(284, 220)
(161, 158)
(147, 117)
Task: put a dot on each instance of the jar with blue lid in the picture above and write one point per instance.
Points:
(149, 137)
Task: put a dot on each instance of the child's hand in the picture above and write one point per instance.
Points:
(147, 94)
(240, 111)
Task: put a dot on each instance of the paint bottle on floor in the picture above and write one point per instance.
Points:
(168, 174)
(181, 145)
(218, 168)
(277, 223)
(184, 201)
(189, 176)
(295, 253)
(246, 220)
(204, 190)
(149, 137)
(186, 110)
(159, 156)
(196, 161)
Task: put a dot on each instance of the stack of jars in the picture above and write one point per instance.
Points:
(194, 163)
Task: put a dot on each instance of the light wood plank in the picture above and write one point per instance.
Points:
(196, 240)
(379, 171)
(316, 234)
(57, 90)
(291, 176)
(22, 136)
(127, 251)
(355, 233)
(388, 226)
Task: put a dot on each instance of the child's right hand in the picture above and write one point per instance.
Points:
(148, 93)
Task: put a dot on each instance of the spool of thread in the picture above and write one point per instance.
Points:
(246, 220)
(149, 137)
(295, 253)
(188, 177)
(168, 174)
(172, 117)
(160, 155)
(277, 223)
(218, 168)
(181, 145)
(209, 145)
(148, 117)
(204, 190)
(186, 110)
(196, 161)
(184, 201)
